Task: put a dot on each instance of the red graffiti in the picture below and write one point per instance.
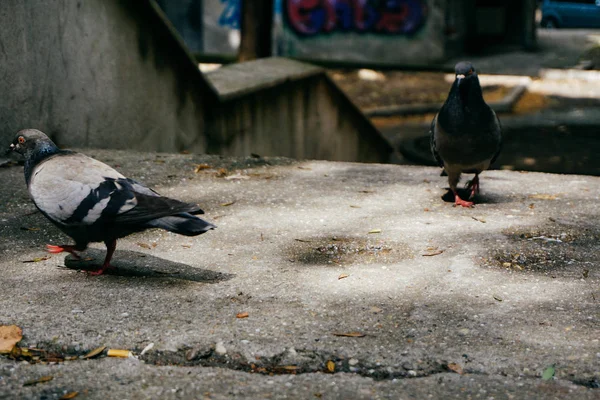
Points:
(313, 17)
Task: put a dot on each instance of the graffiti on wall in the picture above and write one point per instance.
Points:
(230, 17)
(391, 17)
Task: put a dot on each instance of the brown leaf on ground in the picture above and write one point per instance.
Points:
(433, 253)
(542, 196)
(330, 366)
(200, 167)
(95, 352)
(455, 368)
(39, 380)
(242, 315)
(342, 276)
(227, 204)
(70, 395)
(349, 334)
(222, 172)
(144, 245)
(26, 228)
(10, 335)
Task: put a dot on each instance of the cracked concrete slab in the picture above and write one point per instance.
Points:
(442, 301)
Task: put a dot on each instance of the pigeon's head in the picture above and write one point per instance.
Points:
(464, 71)
(30, 141)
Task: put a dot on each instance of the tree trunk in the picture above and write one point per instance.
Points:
(256, 25)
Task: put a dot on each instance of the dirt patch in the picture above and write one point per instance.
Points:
(347, 250)
(556, 250)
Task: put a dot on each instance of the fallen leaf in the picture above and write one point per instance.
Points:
(548, 373)
(227, 204)
(506, 265)
(221, 173)
(10, 335)
(242, 315)
(532, 206)
(585, 273)
(70, 395)
(200, 167)
(455, 368)
(479, 220)
(119, 353)
(375, 231)
(433, 253)
(542, 196)
(95, 352)
(353, 206)
(497, 298)
(25, 228)
(37, 259)
(330, 366)
(342, 276)
(144, 245)
(39, 380)
(349, 334)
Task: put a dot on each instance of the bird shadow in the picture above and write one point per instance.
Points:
(448, 197)
(134, 264)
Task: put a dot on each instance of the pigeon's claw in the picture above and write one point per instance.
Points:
(460, 202)
(59, 249)
(474, 186)
(101, 270)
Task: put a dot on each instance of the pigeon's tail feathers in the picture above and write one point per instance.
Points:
(183, 224)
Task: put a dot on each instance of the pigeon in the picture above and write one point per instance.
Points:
(466, 133)
(92, 202)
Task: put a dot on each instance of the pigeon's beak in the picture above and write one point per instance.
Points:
(459, 78)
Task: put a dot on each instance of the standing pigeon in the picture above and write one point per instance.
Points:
(92, 202)
(465, 134)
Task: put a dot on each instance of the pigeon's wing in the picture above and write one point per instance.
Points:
(77, 190)
(498, 128)
(432, 142)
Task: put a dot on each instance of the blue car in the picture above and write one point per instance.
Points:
(571, 14)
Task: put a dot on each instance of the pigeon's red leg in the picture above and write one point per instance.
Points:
(474, 186)
(111, 245)
(59, 249)
(460, 202)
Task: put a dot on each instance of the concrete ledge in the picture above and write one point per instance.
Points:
(451, 301)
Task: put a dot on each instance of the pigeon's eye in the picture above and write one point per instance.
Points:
(21, 139)
(470, 71)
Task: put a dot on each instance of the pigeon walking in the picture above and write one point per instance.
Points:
(465, 134)
(92, 202)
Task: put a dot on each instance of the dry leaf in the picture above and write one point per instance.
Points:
(479, 220)
(25, 228)
(542, 196)
(342, 276)
(144, 245)
(221, 173)
(37, 259)
(353, 206)
(433, 253)
(40, 380)
(375, 231)
(119, 353)
(200, 167)
(10, 335)
(242, 315)
(455, 368)
(497, 298)
(227, 204)
(95, 352)
(330, 366)
(70, 395)
(349, 334)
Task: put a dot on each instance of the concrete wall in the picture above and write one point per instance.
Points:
(98, 73)
(293, 109)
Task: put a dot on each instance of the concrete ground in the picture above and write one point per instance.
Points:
(358, 281)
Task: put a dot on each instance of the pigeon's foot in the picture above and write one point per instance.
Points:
(101, 270)
(59, 249)
(460, 202)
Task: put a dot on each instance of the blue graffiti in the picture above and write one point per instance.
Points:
(231, 14)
